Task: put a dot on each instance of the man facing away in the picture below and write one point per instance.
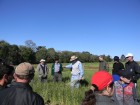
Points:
(103, 65)
(20, 92)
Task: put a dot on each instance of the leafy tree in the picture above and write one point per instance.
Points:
(14, 55)
(27, 54)
(122, 58)
(41, 54)
(51, 55)
(108, 58)
(31, 44)
(65, 56)
(85, 56)
(4, 50)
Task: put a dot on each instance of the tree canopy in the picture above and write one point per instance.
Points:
(32, 53)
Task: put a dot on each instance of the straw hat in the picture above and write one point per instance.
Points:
(42, 60)
(73, 58)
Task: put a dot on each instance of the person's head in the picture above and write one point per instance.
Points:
(102, 82)
(6, 74)
(42, 61)
(89, 98)
(129, 57)
(116, 59)
(73, 58)
(56, 60)
(125, 76)
(24, 72)
(101, 58)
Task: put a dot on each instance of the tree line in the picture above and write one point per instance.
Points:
(30, 52)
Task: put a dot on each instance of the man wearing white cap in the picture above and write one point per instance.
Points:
(77, 71)
(133, 67)
(42, 71)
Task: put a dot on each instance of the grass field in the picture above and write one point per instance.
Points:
(61, 93)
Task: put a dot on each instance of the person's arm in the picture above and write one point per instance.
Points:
(52, 69)
(137, 68)
(61, 68)
(122, 66)
(47, 69)
(107, 66)
(38, 69)
(81, 70)
(38, 100)
(137, 71)
(69, 66)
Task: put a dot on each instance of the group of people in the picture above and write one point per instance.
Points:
(75, 66)
(118, 88)
(14, 83)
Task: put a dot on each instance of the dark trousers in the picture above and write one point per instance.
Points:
(57, 77)
(43, 79)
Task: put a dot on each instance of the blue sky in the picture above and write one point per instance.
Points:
(110, 27)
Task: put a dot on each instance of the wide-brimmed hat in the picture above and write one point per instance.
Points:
(73, 58)
(42, 60)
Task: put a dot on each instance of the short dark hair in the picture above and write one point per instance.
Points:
(56, 58)
(6, 69)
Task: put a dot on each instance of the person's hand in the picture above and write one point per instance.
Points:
(82, 78)
(92, 88)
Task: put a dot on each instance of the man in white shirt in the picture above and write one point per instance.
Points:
(77, 71)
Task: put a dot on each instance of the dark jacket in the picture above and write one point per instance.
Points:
(104, 100)
(1, 87)
(134, 68)
(20, 94)
(60, 69)
(117, 67)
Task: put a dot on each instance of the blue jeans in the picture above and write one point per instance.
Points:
(75, 81)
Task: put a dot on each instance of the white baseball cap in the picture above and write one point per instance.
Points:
(129, 55)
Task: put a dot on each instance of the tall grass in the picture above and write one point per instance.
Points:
(61, 93)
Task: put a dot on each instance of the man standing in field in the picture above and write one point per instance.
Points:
(42, 71)
(57, 71)
(103, 65)
(77, 71)
(133, 67)
(20, 92)
(117, 66)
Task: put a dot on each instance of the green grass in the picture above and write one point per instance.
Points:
(61, 93)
